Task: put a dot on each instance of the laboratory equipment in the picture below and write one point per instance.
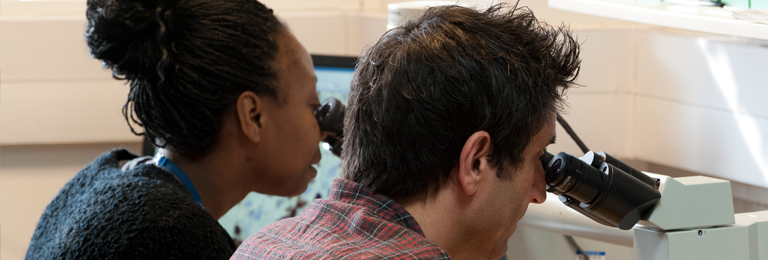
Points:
(692, 218)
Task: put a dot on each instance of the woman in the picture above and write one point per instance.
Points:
(227, 93)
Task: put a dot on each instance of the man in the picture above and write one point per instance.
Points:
(447, 118)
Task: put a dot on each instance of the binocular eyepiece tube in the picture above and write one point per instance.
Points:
(601, 188)
(330, 118)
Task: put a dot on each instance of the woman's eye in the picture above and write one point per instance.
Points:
(316, 109)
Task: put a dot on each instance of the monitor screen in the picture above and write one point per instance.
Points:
(334, 75)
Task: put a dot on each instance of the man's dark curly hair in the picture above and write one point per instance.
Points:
(186, 61)
(426, 86)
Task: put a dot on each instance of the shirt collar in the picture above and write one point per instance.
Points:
(350, 192)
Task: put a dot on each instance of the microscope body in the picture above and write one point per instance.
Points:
(692, 217)
(695, 220)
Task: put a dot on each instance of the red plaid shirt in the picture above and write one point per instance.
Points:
(353, 223)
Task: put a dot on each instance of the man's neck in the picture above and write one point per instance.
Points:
(440, 220)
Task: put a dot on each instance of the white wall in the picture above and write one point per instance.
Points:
(690, 101)
(52, 91)
(703, 110)
(51, 85)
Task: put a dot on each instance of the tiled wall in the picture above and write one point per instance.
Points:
(52, 91)
(701, 101)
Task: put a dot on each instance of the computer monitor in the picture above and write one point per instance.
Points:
(334, 75)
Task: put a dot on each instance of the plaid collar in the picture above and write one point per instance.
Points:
(349, 192)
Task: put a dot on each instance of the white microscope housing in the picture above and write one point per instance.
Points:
(693, 219)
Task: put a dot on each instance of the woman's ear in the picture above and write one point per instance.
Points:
(473, 161)
(249, 108)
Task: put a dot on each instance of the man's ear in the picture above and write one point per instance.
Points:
(473, 161)
(249, 108)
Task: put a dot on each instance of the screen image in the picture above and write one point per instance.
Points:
(334, 75)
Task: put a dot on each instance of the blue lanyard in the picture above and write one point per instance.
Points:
(162, 161)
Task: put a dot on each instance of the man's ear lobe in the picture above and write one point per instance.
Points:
(473, 161)
(249, 108)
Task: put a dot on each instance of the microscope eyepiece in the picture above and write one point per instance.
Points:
(330, 118)
(554, 176)
(599, 190)
(569, 175)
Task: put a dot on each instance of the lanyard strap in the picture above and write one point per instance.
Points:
(167, 164)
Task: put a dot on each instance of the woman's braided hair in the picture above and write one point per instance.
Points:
(187, 61)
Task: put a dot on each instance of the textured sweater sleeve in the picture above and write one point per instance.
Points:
(144, 213)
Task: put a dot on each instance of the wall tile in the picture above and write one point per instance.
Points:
(722, 73)
(702, 139)
(63, 112)
(601, 122)
(607, 60)
(46, 50)
(320, 32)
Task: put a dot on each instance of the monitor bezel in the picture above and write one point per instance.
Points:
(320, 60)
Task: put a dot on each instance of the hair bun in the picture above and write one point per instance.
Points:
(128, 35)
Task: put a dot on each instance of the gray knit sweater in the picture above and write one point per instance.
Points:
(141, 213)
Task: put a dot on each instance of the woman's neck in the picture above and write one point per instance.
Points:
(210, 177)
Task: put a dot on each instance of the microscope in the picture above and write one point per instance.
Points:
(599, 197)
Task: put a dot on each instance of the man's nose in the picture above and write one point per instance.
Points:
(539, 189)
